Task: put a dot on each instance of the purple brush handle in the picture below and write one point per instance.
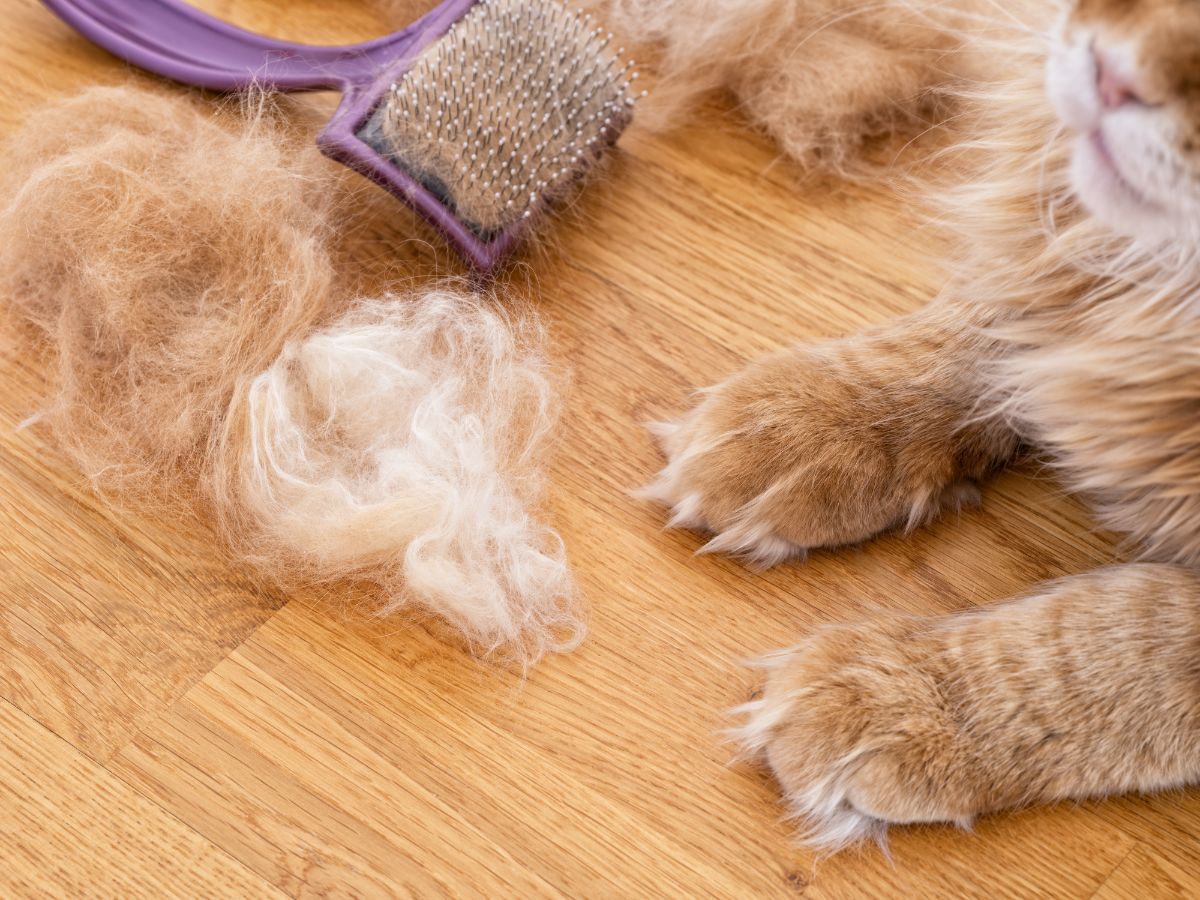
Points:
(170, 38)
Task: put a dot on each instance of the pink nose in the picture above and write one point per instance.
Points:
(1116, 88)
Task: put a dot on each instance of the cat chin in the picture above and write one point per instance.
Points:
(1111, 199)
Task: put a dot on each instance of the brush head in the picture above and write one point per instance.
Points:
(510, 107)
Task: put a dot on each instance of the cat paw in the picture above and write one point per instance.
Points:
(692, 485)
(785, 457)
(856, 728)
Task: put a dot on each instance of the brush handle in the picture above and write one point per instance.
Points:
(170, 38)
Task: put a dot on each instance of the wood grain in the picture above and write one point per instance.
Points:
(69, 828)
(168, 729)
(1145, 874)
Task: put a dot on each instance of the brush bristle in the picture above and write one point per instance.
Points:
(508, 108)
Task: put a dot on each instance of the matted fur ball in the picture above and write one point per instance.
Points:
(818, 76)
(177, 267)
(162, 253)
(401, 444)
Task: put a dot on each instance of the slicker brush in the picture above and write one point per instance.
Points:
(514, 103)
(478, 115)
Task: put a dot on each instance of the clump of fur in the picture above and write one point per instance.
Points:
(821, 77)
(400, 445)
(177, 267)
(162, 255)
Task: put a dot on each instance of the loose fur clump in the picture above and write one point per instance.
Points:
(400, 445)
(821, 77)
(177, 266)
(162, 255)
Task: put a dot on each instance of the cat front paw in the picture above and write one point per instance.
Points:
(856, 728)
(788, 456)
(712, 483)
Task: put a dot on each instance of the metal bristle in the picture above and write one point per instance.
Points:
(513, 101)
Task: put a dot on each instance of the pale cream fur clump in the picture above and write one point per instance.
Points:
(401, 444)
(821, 76)
(177, 268)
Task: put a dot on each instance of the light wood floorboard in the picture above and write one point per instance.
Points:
(166, 728)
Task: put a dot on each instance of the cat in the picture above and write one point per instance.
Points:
(1072, 326)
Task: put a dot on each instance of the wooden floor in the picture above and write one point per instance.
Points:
(166, 729)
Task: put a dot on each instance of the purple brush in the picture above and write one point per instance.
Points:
(476, 115)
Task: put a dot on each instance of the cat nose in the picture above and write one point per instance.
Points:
(1113, 82)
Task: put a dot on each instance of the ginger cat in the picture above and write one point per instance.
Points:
(1072, 325)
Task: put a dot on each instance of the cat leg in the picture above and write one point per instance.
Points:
(1088, 687)
(829, 444)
